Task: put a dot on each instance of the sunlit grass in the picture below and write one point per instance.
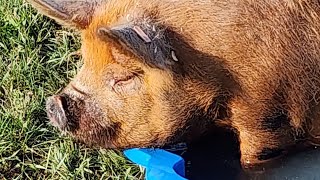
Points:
(37, 59)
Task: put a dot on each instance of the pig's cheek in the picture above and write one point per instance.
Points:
(117, 105)
(111, 105)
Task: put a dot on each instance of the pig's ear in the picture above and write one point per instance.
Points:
(148, 42)
(76, 13)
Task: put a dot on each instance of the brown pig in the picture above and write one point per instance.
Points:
(161, 71)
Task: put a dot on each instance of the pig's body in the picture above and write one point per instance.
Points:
(252, 66)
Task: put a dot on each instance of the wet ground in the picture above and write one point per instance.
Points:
(216, 157)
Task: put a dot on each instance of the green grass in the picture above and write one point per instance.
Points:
(37, 59)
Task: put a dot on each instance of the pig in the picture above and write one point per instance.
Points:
(157, 72)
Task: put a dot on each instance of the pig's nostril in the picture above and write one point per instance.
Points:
(56, 111)
(63, 101)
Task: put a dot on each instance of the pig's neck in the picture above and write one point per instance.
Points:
(209, 86)
(206, 79)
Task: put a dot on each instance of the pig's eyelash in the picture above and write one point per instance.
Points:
(133, 75)
(116, 81)
(123, 85)
(126, 78)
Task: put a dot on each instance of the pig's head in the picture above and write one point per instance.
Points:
(141, 83)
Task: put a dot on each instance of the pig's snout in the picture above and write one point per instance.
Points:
(56, 111)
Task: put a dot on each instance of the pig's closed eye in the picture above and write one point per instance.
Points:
(124, 80)
(125, 84)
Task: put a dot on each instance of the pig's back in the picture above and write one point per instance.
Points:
(272, 47)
